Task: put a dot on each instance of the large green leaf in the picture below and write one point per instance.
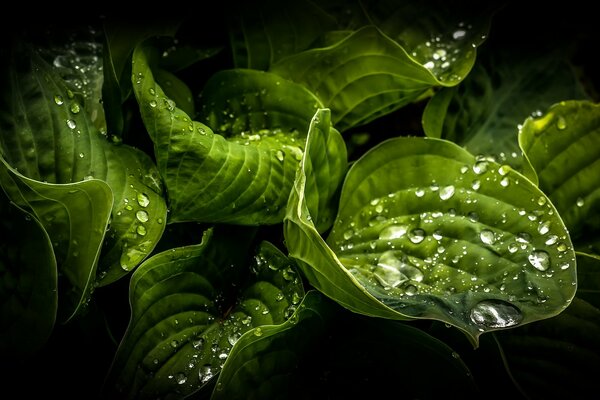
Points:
(562, 147)
(191, 305)
(266, 31)
(317, 353)
(246, 177)
(557, 357)
(427, 230)
(483, 113)
(46, 135)
(28, 299)
(360, 78)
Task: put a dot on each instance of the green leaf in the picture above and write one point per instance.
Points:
(191, 305)
(75, 217)
(588, 279)
(263, 32)
(427, 230)
(28, 284)
(562, 148)
(246, 178)
(176, 90)
(317, 353)
(47, 136)
(559, 356)
(483, 113)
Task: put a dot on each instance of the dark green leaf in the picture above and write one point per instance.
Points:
(191, 305)
(483, 112)
(562, 148)
(28, 300)
(588, 279)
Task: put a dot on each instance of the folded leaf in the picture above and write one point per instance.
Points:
(562, 148)
(191, 305)
(426, 230)
(244, 175)
(28, 299)
(504, 88)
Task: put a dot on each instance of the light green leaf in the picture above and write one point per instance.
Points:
(46, 135)
(190, 306)
(427, 230)
(176, 90)
(244, 178)
(484, 111)
(263, 32)
(28, 283)
(557, 357)
(562, 148)
(318, 352)
(363, 77)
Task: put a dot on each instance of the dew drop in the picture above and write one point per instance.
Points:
(487, 236)
(459, 34)
(198, 343)
(75, 108)
(410, 290)
(505, 182)
(476, 184)
(180, 378)
(540, 260)
(480, 167)
(280, 155)
(419, 192)
(580, 202)
(513, 248)
(561, 247)
(348, 234)
(416, 235)
(71, 124)
(446, 192)
(495, 314)
(541, 201)
(174, 343)
(81, 155)
(503, 170)
(544, 227)
(437, 235)
(393, 232)
(143, 199)
(58, 99)
(258, 332)
(464, 169)
(142, 216)
(523, 237)
(561, 123)
(141, 230)
(152, 103)
(205, 373)
(552, 239)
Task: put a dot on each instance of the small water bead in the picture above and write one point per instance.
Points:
(541, 201)
(416, 235)
(437, 235)
(540, 260)
(480, 167)
(464, 169)
(58, 99)
(393, 232)
(180, 378)
(75, 108)
(561, 247)
(459, 34)
(141, 230)
(410, 290)
(495, 314)
(446, 192)
(476, 184)
(544, 227)
(71, 124)
(552, 239)
(258, 332)
(523, 237)
(379, 208)
(348, 234)
(152, 103)
(561, 123)
(580, 202)
(419, 192)
(280, 155)
(142, 216)
(143, 199)
(503, 170)
(205, 373)
(174, 343)
(81, 155)
(473, 216)
(487, 236)
(505, 182)
(513, 248)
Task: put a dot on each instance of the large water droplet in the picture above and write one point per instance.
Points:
(544, 227)
(393, 232)
(143, 199)
(446, 192)
(487, 236)
(540, 260)
(142, 216)
(416, 235)
(495, 314)
(388, 271)
(505, 182)
(480, 167)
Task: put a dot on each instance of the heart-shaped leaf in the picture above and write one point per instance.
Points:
(190, 306)
(562, 147)
(427, 230)
(28, 300)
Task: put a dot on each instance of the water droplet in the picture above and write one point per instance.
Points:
(379, 208)
(280, 155)
(410, 290)
(503, 170)
(155, 361)
(393, 232)
(561, 123)
(459, 34)
(513, 248)
(505, 182)
(437, 235)
(446, 192)
(523, 237)
(541, 201)
(540, 260)
(480, 167)
(152, 91)
(487, 236)
(81, 155)
(258, 332)
(561, 247)
(222, 356)
(58, 99)
(141, 230)
(544, 227)
(233, 338)
(552, 239)
(473, 216)
(71, 124)
(174, 343)
(180, 378)
(348, 234)
(464, 169)
(495, 314)
(75, 108)
(198, 343)
(152, 103)
(580, 202)
(143, 199)
(205, 373)
(416, 235)
(476, 184)
(419, 192)
(142, 216)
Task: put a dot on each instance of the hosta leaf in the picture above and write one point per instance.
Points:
(427, 230)
(47, 136)
(558, 356)
(562, 147)
(484, 111)
(246, 177)
(27, 284)
(264, 32)
(588, 279)
(190, 306)
(363, 77)
(317, 352)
